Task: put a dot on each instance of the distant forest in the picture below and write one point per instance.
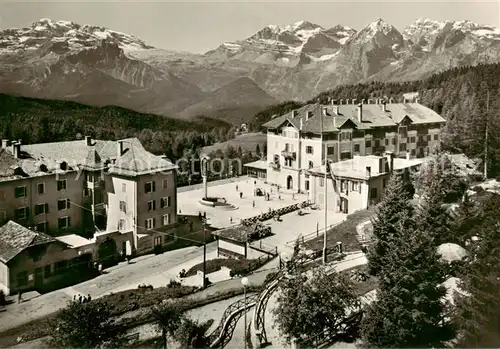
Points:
(460, 95)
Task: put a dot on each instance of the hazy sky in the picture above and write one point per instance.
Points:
(204, 25)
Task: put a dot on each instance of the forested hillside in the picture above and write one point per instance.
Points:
(460, 95)
(38, 120)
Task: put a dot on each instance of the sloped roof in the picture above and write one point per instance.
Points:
(14, 238)
(373, 116)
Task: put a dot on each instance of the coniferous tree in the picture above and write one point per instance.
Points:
(478, 313)
(394, 209)
(408, 312)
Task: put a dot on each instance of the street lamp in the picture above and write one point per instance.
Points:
(244, 282)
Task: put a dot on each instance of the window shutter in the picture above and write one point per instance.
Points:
(154, 221)
(154, 205)
(69, 221)
(168, 201)
(154, 186)
(146, 224)
(68, 203)
(162, 203)
(46, 208)
(359, 187)
(27, 212)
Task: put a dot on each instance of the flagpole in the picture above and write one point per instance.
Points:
(323, 147)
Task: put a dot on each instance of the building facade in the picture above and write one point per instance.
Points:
(304, 138)
(91, 188)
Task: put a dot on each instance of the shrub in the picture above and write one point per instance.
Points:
(174, 284)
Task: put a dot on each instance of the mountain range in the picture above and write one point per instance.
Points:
(100, 66)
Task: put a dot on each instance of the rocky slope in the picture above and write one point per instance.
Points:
(99, 66)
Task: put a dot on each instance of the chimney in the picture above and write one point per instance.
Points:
(325, 111)
(13, 146)
(16, 150)
(88, 141)
(301, 124)
(19, 141)
(384, 106)
(389, 155)
(5, 143)
(309, 114)
(119, 149)
(295, 113)
(334, 101)
(360, 112)
(354, 101)
(368, 171)
(408, 155)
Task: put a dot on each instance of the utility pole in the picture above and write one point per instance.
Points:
(324, 149)
(486, 134)
(204, 253)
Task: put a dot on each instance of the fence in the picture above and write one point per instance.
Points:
(271, 214)
(263, 247)
(319, 232)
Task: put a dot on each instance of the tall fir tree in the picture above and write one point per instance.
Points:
(395, 208)
(478, 308)
(409, 311)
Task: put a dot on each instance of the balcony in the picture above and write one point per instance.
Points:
(289, 154)
(274, 165)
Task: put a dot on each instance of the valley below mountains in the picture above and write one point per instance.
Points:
(99, 66)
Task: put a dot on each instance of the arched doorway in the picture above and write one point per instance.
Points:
(107, 252)
(289, 182)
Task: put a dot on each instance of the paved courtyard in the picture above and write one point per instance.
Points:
(188, 200)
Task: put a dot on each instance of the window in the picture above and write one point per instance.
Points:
(149, 187)
(368, 144)
(22, 278)
(436, 137)
(355, 186)
(42, 227)
(157, 241)
(386, 141)
(166, 219)
(61, 185)
(428, 138)
(124, 187)
(123, 206)
(373, 193)
(394, 141)
(377, 143)
(311, 164)
(420, 139)
(86, 192)
(63, 204)
(322, 182)
(89, 178)
(307, 185)
(150, 223)
(63, 222)
(413, 152)
(356, 148)
(165, 202)
(21, 213)
(165, 183)
(47, 270)
(330, 150)
(402, 147)
(63, 166)
(40, 188)
(41, 209)
(151, 205)
(309, 149)
(412, 139)
(20, 192)
(121, 224)
(60, 267)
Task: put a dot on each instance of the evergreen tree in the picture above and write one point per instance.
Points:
(408, 312)
(257, 150)
(478, 314)
(394, 209)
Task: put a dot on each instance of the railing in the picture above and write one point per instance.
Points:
(289, 154)
(224, 332)
(263, 247)
(274, 165)
(320, 232)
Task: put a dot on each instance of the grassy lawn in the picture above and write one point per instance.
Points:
(344, 232)
(237, 266)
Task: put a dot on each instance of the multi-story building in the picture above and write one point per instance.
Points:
(304, 138)
(357, 183)
(104, 190)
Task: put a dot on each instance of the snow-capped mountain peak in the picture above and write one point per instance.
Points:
(76, 36)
